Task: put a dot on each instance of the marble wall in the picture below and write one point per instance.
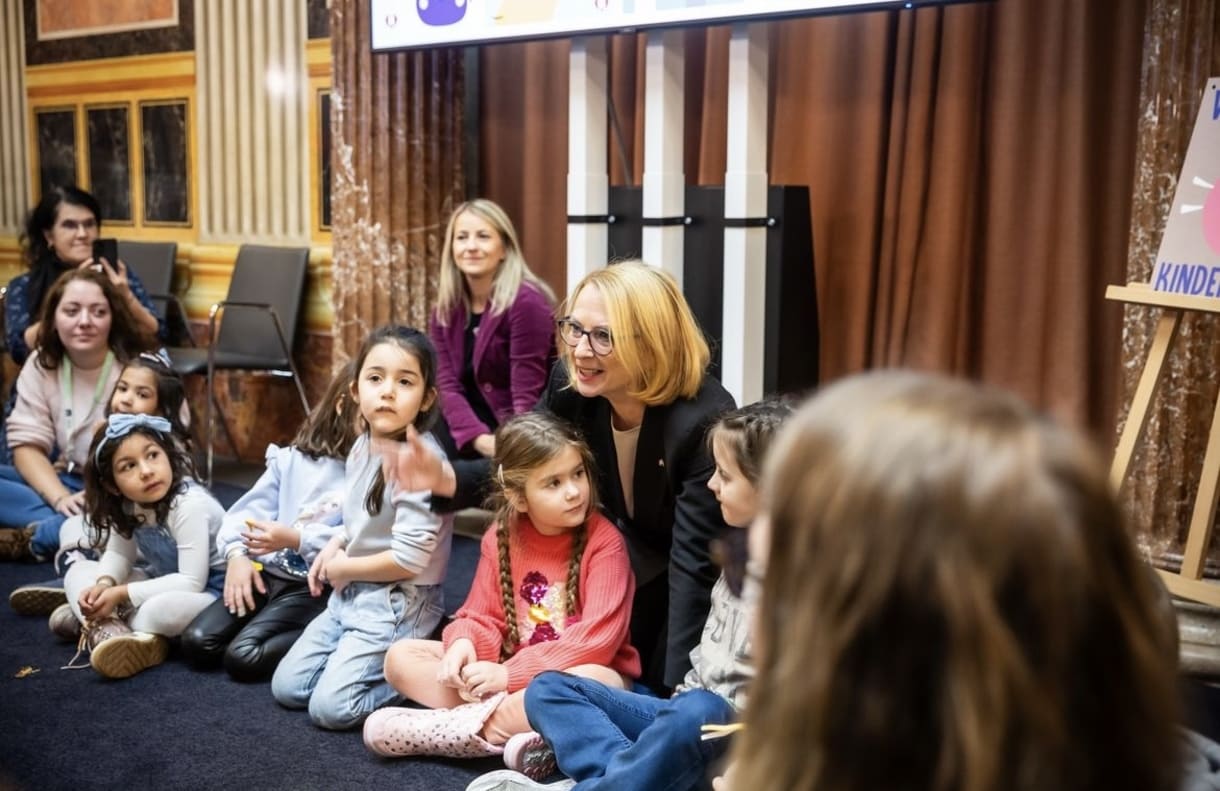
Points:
(55, 131)
(108, 146)
(398, 172)
(165, 145)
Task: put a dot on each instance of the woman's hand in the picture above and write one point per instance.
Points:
(115, 271)
(264, 536)
(485, 444)
(70, 504)
(241, 579)
(485, 678)
(317, 569)
(459, 655)
(101, 600)
(413, 466)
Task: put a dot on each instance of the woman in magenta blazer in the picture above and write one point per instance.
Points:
(493, 327)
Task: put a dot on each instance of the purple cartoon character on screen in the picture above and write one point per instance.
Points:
(441, 12)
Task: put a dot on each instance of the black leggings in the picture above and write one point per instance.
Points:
(251, 646)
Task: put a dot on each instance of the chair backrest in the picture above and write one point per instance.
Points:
(270, 275)
(153, 262)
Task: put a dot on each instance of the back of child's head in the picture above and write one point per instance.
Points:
(330, 428)
(105, 505)
(172, 403)
(415, 343)
(747, 433)
(951, 603)
(523, 444)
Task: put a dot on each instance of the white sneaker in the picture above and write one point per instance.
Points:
(508, 780)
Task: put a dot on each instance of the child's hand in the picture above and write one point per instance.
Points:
(413, 466)
(317, 569)
(724, 782)
(335, 571)
(241, 578)
(99, 601)
(459, 655)
(485, 678)
(265, 536)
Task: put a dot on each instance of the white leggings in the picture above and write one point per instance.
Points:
(166, 614)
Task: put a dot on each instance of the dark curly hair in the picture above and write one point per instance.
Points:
(103, 501)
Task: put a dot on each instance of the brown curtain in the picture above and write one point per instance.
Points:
(1182, 50)
(397, 129)
(970, 170)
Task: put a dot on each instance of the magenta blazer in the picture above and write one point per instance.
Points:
(513, 352)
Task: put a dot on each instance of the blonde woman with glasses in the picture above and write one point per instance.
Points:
(632, 376)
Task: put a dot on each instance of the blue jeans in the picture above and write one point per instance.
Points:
(20, 505)
(336, 667)
(606, 738)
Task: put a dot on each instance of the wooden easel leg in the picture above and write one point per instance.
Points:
(1137, 417)
(1204, 515)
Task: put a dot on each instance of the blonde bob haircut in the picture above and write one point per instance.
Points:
(951, 603)
(655, 334)
(509, 275)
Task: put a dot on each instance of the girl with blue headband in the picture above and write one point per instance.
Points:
(160, 568)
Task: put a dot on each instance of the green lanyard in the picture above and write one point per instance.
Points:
(65, 389)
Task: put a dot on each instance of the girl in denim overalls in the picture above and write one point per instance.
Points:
(160, 567)
(386, 564)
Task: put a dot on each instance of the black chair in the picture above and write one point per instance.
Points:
(153, 263)
(257, 326)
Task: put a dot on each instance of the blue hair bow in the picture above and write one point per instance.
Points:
(119, 425)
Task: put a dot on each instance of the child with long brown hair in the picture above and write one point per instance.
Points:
(386, 564)
(552, 591)
(951, 604)
(269, 538)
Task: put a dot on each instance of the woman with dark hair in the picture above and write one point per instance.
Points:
(85, 333)
(59, 235)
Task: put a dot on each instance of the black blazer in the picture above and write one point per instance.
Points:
(676, 515)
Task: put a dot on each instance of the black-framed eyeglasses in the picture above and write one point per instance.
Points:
(601, 341)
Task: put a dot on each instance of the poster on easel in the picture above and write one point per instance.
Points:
(1188, 261)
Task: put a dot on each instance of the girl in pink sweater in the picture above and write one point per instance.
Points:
(552, 591)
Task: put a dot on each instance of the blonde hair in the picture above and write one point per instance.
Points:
(951, 604)
(655, 334)
(523, 444)
(452, 291)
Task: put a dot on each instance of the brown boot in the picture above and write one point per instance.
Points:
(117, 652)
(15, 544)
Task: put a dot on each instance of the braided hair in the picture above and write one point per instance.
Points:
(523, 444)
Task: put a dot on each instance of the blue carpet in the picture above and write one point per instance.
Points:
(173, 727)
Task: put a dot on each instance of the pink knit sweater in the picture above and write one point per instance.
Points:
(549, 639)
